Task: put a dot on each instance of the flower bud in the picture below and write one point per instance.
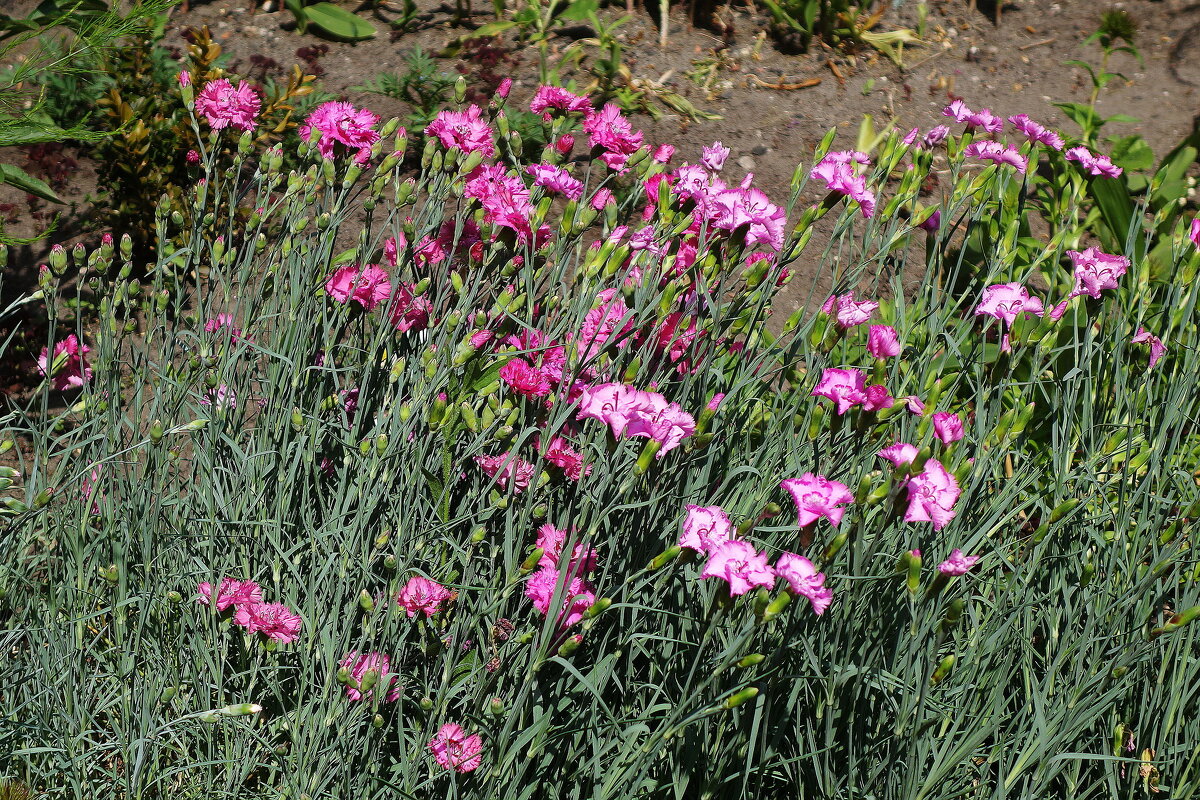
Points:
(777, 606)
(496, 706)
(751, 660)
(568, 648)
(365, 601)
(943, 669)
(736, 699)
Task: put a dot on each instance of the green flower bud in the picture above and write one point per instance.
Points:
(736, 699)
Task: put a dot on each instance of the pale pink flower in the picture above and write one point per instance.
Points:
(577, 595)
(508, 471)
(342, 123)
(936, 135)
(231, 592)
(705, 528)
(948, 427)
(840, 174)
(556, 179)
(368, 286)
(848, 312)
(816, 496)
(68, 369)
(610, 320)
(998, 154)
(222, 397)
(223, 105)
(957, 564)
(983, 119)
(883, 341)
(915, 404)
(454, 749)
(739, 564)
(804, 580)
(551, 540)
(1157, 348)
(1035, 132)
(420, 594)
(845, 387)
(1096, 271)
(932, 495)
(525, 379)
(900, 453)
(1005, 301)
(358, 664)
(273, 620)
(1094, 163)
(714, 156)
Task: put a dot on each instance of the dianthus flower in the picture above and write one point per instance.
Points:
(705, 528)
(508, 471)
(560, 453)
(883, 341)
(932, 495)
(998, 154)
(273, 620)
(231, 592)
(556, 179)
(1035, 132)
(577, 595)
(739, 564)
(554, 97)
(900, 453)
(764, 221)
(957, 564)
(983, 119)
(632, 412)
(1094, 163)
(505, 199)
(222, 397)
(392, 246)
(714, 156)
(848, 312)
(465, 130)
(358, 664)
(803, 579)
(609, 130)
(421, 595)
(1005, 301)
(368, 286)
(342, 123)
(1157, 348)
(551, 540)
(525, 379)
(816, 496)
(1096, 271)
(838, 172)
(454, 749)
(877, 398)
(1194, 232)
(608, 321)
(410, 311)
(215, 324)
(948, 427)
(68, 369)
(845, 387)
(224, 106)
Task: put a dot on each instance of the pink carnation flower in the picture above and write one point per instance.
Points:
(714, 156)
(957, 564)
(556, 179)
(837, 170)
(554, 97)
(508, 471)
(358, 664)
(948, 427)
(877, 398)
(883, 341)
(764, 221)
(848, 312)
(561, 454)
(215, 324)
(68, 369)
(998, 154)
(900, 453)
(410, 311)
(577, 595)
(845, 387)
(816, 496)
(524, 379)
(932, 495)
(454, 749)
(974, 120)
(222, 397)
(1194, 232)
(224, 106)
(611, 131)
(273, 620)
(1035, 132)
(1157, 348)
(1005, 301)
(1096, 271)
(420, 594)
(231, 592)
(705, 528)
(739, 564)
(631, 412)
(368, 285)
(804, 580)
(1094, 163)
(342, 123)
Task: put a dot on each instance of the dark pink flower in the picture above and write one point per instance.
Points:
(848, 312)
(1157, 348)
(877, 398)
(609, 130)
(273, 620)
(816, 496)
(577, 595)
(465, 130)
(192, 157)
(948, 427)
(231, 592)
(804, 580)
(974, 120)
(410, 311)
(957, 564)
(705, 528)
(1194, 233)
(508, 471)
(423, 595)
(739, 564)
(68, 369)
(554, 97)
(223, 105)
(524, 379)
(560, 453)
(358, 664)
(556, 179)
(369, 285)
(454, 749)
(342, 123)
(932, 495)
(845, 387)
(883, 341)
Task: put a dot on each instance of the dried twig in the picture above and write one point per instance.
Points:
(787, 87)
(1032, 45)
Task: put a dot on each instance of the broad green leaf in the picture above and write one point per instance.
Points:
(338, 22)
(579, 10)
(1132, 153)
(15, 176)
